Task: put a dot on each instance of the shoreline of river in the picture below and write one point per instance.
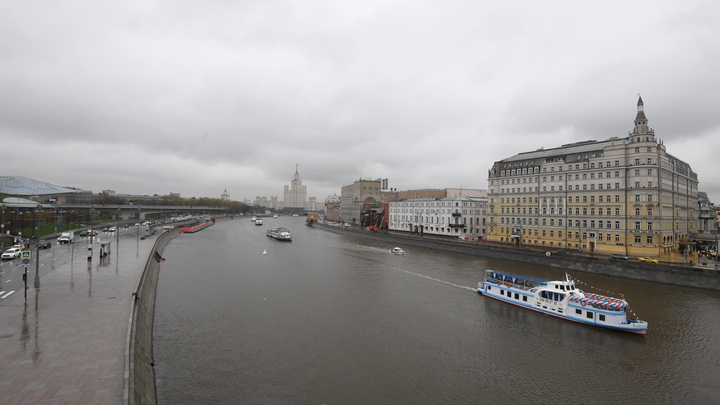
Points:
(704, 278)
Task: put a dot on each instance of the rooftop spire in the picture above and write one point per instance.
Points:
(640, 119)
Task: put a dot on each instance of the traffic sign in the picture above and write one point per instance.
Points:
(26, 254)
(26, 261)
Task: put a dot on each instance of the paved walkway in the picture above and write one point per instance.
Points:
(66, 343)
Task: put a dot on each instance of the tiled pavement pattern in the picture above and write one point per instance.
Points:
(66, 344)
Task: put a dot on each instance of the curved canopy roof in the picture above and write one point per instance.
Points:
(14, 185)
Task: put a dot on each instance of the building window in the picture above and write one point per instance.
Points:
(649, 239)
(637, 239)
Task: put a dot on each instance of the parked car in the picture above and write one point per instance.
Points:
(618, 257)
(563, 252)
(12, 253)
(44, 244)
(647, 260)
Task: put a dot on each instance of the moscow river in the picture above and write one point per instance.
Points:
(335, 319)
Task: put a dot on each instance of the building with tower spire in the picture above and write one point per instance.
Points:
(295, 195)
(225, 196)
(622, 195)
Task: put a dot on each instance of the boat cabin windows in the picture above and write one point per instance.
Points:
(578, 311)
(589, 315)
(601, 317)
(517, 296)
(552, 296)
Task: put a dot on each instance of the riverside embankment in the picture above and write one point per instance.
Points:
(688, 276)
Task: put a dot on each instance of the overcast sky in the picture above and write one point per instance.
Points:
(153, 97)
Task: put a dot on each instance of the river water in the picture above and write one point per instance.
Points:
(334, 319)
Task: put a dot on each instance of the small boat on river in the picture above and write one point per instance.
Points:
(258, 221)
(279, 234)
(253, 219)
(397, 251)
(561, 299)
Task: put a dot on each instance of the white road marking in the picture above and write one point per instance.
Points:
(7, 294)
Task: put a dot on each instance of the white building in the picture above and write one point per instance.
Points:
(452, 216)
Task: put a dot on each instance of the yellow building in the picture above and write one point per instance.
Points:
(622, 195)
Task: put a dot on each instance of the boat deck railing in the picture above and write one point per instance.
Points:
(509, 283)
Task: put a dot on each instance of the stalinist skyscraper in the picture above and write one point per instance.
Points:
(295, 195)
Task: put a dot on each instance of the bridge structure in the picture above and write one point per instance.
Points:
(123, 211)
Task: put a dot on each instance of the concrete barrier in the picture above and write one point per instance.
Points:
(139, 363)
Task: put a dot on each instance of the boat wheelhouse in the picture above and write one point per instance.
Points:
(561, 299)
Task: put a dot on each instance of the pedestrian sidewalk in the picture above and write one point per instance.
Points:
(66, 343)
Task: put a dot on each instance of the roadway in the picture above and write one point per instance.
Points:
(11, 271)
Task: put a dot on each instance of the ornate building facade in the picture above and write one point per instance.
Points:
(450, 216)
(622, 195)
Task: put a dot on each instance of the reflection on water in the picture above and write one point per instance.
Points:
(333, 319)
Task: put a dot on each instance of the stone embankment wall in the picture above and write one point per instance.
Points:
(139, 362)
(662, 273)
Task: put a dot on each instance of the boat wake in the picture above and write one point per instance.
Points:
(436, 279)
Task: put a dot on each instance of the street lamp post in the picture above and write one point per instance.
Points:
(90, 249)
(137, 234)
(117, 231)
(38, 211)
(2, 228)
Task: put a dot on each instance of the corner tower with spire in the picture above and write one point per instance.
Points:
(641, 122)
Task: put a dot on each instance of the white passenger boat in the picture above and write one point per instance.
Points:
(258, 221)
(561, 299)
(397, 251)
(253, 219)
(279, 234)
(276, 216)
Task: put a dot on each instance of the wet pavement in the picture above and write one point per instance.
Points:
(66, 343)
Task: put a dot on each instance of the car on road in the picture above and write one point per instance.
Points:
(63, 240)
(647, 260)
(83, 233)
(618, 257)
(563, 252)
(12, 253)
(44, 244)
(112, 229)
(92, 233)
